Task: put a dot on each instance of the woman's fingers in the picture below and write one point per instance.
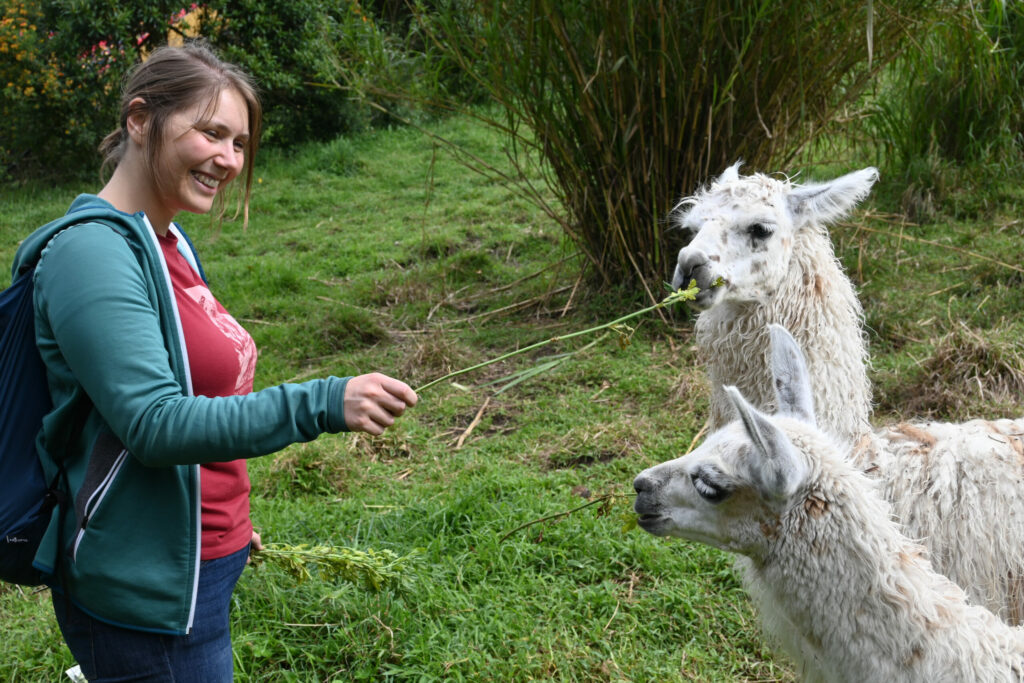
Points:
(373, 401)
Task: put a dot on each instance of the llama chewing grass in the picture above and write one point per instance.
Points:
(955, 487)
(835, 580)
(764, 243)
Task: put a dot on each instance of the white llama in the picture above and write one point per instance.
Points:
(833, 577)
(761, 254)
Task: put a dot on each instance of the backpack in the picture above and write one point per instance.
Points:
(27, 501)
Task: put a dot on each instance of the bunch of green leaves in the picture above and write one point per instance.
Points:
(370, 570)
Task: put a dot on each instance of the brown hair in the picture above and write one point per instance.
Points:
(172, 79)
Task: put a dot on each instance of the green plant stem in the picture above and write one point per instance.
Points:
(687, 294)
(607, 498)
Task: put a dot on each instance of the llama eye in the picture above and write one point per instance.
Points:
(709, 490)
(760, 231)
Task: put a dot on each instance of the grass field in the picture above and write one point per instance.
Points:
(382, 253)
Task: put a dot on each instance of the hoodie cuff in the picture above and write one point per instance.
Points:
(336, 405)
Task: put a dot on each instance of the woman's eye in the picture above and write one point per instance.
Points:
(759, 231)
(708, 490)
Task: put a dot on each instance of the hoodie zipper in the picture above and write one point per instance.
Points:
(187, 372)
(96, 498)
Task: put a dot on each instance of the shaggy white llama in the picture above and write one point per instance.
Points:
(760, 254)
(847, 594)
(957, 488)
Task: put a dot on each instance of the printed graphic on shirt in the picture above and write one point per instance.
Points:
(241, 339)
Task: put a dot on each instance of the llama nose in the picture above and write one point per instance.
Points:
(644, 483)
(646, 488)
(689, 263)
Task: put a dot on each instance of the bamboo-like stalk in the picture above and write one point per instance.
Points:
(622, 107)
(688, 294)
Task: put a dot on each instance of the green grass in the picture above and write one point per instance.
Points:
(381, 253)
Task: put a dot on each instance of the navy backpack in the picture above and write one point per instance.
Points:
(28, 499)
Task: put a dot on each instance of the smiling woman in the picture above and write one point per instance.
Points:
(156, 379)
(203, 147)
(177, 143)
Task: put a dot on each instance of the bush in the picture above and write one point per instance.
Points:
(62, 62)
(625, 106)
(956, 100)
(284, 44)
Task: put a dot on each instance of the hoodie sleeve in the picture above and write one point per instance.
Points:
(97, 325)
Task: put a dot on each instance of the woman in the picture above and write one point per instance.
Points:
(154, 379)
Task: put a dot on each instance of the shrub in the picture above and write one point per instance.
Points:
(955, 100)
(283, 44)
(19, 62)
(625, 106)
(62, 62)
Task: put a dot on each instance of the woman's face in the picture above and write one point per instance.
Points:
(203, 150)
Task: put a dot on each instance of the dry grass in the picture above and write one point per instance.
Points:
(968, 369)
(580, 447)
(433, 353)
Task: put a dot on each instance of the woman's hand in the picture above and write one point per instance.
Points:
(373, 401)
(255, 544)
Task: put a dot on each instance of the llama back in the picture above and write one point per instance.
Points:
(969, 504)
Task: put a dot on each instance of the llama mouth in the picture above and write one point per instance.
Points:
(706, 298)
(648, 521)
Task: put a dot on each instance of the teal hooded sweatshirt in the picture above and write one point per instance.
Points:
(108, 331)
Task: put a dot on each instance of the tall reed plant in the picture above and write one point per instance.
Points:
(623, 106)
(955, 101)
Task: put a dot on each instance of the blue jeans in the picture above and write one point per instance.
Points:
(109, 654)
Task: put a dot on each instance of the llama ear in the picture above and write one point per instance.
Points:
(774, 468)
(731, 174)
(792, 381)
(828, 202)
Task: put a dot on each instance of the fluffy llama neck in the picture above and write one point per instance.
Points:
(861, 600)
(818, 305)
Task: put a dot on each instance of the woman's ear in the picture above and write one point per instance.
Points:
(137, 120)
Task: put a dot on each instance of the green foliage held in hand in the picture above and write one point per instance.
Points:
(370, 570)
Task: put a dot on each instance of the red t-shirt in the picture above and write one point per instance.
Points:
(222, 361)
